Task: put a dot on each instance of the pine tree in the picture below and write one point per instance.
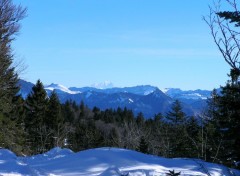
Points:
(10, 15)
(36, 104)
(234, 17)
(114, 137)
(193, 134)
(54, 121)
(143, 145)
(226, 114)
(226, 118)
(176, 115)
(86, 136)
(140, 119)
(128, 115)
(96, 111)
(177, 130)
(68, 112)
(82, 110)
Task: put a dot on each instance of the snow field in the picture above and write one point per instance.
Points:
(104, 162)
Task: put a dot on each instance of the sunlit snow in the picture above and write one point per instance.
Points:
(52, 87)
(130, 100)
(104, 162)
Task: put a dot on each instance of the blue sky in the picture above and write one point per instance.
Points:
(163, 43)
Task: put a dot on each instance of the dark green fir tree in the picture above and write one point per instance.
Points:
(226, 119)
(233, 17)
(177, 130)
(54, 122)
(143, 145)
(10, 15)
(35, 120)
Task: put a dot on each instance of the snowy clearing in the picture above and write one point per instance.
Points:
(104, 162)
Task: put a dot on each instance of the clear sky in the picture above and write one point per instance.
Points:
(163, 43)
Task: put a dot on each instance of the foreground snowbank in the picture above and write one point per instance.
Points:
(104, 162)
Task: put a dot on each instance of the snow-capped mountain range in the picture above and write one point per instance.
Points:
(103, 85)
(147, 99)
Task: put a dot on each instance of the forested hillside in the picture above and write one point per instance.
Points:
(46, 123)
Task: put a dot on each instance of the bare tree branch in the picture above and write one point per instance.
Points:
(225, 35)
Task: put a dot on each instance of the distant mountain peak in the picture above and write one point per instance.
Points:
(157, 93)
(103, 85)
(60, 87)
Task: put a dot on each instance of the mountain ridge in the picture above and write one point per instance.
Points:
(149, 100)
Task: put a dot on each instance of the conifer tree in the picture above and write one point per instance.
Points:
(193, 134)
(233, 16)
(10, 15)
(68, 112)
(87, 136)
(54, 121)
(140, 119)
(226, 113)
(176, 114)
(115, 139)
(82, 110)
(143, 145)
(177, 130)
(226, 118)
(36, 104)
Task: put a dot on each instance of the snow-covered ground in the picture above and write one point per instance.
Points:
(104, 162)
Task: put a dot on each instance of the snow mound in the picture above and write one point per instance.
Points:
(113, 171)
(57, 152)
(52, 154)
(7, 154)
(10, 165)
(105, 162)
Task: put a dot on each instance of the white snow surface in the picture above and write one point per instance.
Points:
(130, 100)
(104, 162)
(194, 96)
(60, 87)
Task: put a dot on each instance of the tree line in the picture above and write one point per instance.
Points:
(43, 123)
(46, 123)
